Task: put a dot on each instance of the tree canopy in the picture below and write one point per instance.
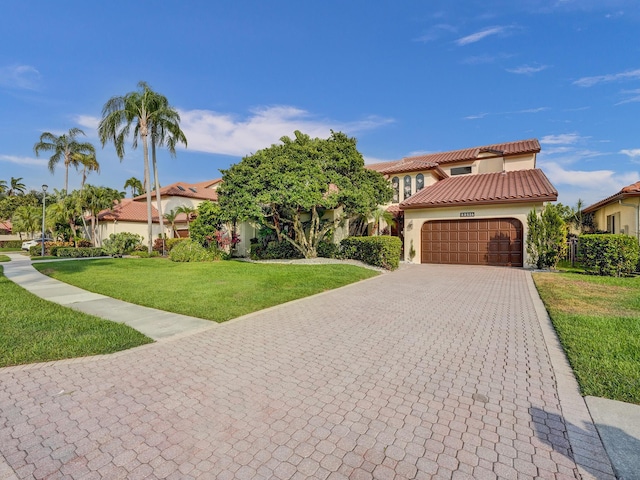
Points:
(288, 187)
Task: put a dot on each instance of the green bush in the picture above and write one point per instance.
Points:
(380, 251)
(172, 242)
(327, 249)
(82, 252)
(275, 250)
(11, 244)
(192, 251)
(610, 255)
(145, 254)
(120, 243)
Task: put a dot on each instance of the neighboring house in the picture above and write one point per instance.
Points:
(619, 213)
(5, 227)
(467, 206)
(126, 216)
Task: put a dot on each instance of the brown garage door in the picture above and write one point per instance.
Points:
(473, 242)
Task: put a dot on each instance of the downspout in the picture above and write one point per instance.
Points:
(637, 207)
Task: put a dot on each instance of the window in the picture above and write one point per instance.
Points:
(181, 188)
(395, 183)
(419, 182)
(407, 186)
(460, 170)
(193, 189)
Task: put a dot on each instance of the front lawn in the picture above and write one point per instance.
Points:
(4, 258)
(216, 291)
(598, 323)
(34, 330)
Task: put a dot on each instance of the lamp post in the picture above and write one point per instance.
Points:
(44, 201)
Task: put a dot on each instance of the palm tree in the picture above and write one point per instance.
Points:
(188, 211)
(135, 185)
(16, 187)
(380, 215)
(96, 199)
(64, 147)
(89, 164)
(145, 108)
(170, 216)
(3, 186)
(27, 219)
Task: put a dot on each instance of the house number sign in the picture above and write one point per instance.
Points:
(467, 214)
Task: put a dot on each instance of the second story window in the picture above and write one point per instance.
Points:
(419, 182)
(460, 171)
(395, 183)
(407, 186)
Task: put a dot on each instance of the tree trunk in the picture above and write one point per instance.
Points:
(147, 179)
(158, 196)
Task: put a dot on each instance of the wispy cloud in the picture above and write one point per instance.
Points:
(608, 78)
(435, 32)
(89, 122)
(476, 37)
(633, 96)
(226, 134)
(40, 162)
(561, 139)
(632, 153)
(527, 69)
(478, 116)
(20, 76)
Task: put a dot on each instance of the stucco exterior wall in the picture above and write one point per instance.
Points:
(429, 179)
(171, 203)
(626, 218)
(139, 228)
(414, 218)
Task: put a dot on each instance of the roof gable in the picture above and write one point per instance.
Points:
(632, 190)
(128, 211)
(201, 191)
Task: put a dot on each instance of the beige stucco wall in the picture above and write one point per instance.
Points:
(171, 203)
(414, 218)
(139, 228)
(626, 217)
(429, 179)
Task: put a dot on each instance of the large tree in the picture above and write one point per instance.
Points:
(16, 187)
(145, 110)
(64, 147)
(89, 164)
(135, 185)
(94, 200)
(289, 187)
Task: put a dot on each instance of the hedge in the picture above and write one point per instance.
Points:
(82, 252)
(611, 255)
(10, 243)
(381, 251)
(192, 251)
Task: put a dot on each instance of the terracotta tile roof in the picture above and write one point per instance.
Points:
(632, 190)
(465, 155)
(485, 188)
(5, 225)
(394, 210)
(128, 211)
(201, 190)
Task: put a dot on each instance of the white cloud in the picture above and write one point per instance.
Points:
(631, 153)
(593, 185)
(634, 96)
(561, 139)
(23, 160)
(527, 69)
(612, 77)
(20, 76)
(476, 37)
(87, 121)
(515, 112)
(226, 134)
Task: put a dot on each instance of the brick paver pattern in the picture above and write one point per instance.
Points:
(428, 372)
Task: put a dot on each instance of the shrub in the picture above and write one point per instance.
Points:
(191, 251)
(10, 243)
(327, 249)
(172, 242)
(82, 252)
(145, 254)
(377, 251)
(120, 243)
(611, 255)
(546, 239)
(275, 250)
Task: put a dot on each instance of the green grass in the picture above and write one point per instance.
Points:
(216, 291)
(34, 330)
(4, 258)
(10, 249)
(598, 323)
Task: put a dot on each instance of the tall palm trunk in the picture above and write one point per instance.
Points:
(158, 196)
(147, 179)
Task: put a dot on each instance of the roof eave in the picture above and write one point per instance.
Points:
(545, 198)
(614, 198)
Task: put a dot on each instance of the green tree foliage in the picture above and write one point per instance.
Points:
(27, 219)
(135, 185)
(547, 237)
(65, 148)
(289, 187)
(8, 205)
(16, 187)
(210, 219)
(94, 200)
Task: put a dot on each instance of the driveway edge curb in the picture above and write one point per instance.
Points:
(587, 447)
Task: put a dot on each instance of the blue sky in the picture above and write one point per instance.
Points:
(402, 77)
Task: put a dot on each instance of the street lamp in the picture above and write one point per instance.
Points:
(44, 201)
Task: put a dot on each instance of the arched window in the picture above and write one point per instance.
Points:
(407, 186)
(419, 182)
(395, 183)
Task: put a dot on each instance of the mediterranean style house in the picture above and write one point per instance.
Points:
(620, 212)
(467, 206)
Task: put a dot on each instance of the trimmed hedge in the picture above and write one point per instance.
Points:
(381, 251)
(83, 252)
(119, 244)
(274, 250)
(10, 243)
(192, 251)
(610, 255)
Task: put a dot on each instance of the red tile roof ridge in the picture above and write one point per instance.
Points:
(200, 190)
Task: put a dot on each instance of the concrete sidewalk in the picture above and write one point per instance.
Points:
(156, 324)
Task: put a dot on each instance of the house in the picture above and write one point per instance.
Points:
(618, 213)
(126, 216)
(467, 206)
(5, 227)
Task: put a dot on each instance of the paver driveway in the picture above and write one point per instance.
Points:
(429, 372)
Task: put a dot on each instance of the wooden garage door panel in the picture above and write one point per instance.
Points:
(473, 242)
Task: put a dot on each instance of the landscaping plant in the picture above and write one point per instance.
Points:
(546, 240)
(612, 255)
